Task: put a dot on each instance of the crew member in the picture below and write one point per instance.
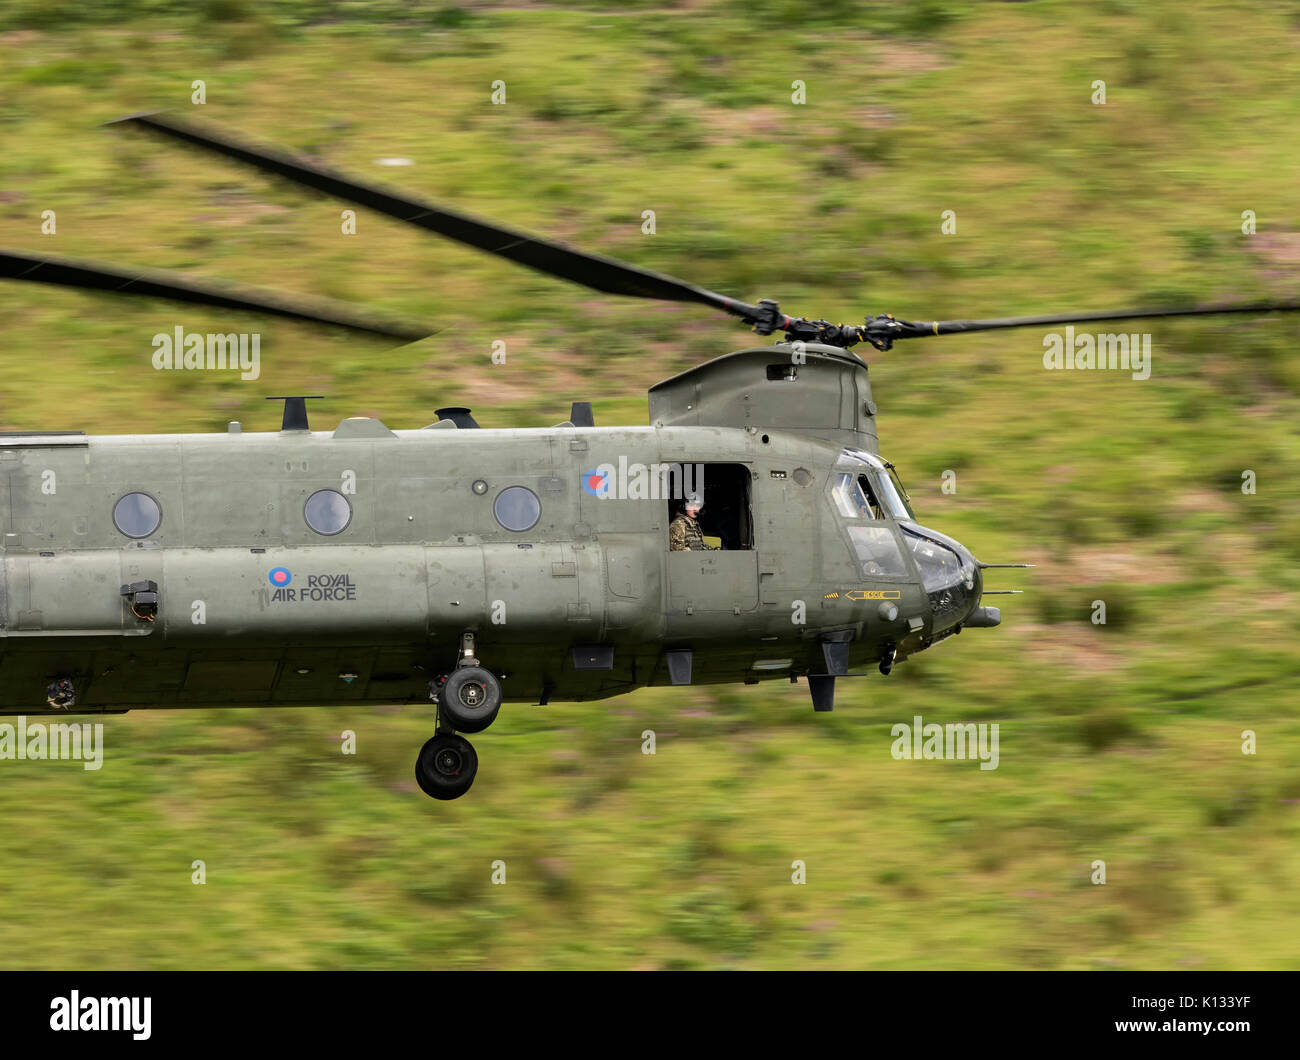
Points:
(684, 533)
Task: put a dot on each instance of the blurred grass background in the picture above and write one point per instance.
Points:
(1120, 743)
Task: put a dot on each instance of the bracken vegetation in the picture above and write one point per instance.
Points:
(1119, 742)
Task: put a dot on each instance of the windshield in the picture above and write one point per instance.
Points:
(941, 568)
(894, 495)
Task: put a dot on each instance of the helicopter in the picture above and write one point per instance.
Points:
(464, 566)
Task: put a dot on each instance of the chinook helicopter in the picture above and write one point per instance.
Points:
(466, 566)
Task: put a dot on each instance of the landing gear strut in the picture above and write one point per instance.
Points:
(468, 700)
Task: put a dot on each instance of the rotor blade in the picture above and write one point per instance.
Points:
(174, 287)
(913, 330)
(595, 271)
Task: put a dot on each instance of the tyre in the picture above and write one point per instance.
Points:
(446, 766)
(470, 699)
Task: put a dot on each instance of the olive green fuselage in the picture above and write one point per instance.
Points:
(254, 607)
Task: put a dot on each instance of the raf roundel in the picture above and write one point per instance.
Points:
(280, 577)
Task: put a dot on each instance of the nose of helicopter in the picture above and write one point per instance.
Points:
(954, 605)
(950, 576)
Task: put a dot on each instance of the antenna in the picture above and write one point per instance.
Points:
(295, 410)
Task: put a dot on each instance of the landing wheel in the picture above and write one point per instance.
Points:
(470, 699)
(446, 766)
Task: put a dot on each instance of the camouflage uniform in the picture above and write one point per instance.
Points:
(684, 535)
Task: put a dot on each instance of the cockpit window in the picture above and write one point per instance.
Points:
(874, 512)
(874, 542)
(877, 550)
(877, 485)
(849, 498)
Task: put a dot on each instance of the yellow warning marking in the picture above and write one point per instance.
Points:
(831, 596)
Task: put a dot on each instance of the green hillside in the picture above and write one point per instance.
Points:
(1120, 742)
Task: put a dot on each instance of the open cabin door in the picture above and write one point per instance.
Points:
(726, 577)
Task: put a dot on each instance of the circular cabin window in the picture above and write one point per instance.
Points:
(517, 508)
(327, 512)
(137, 515)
